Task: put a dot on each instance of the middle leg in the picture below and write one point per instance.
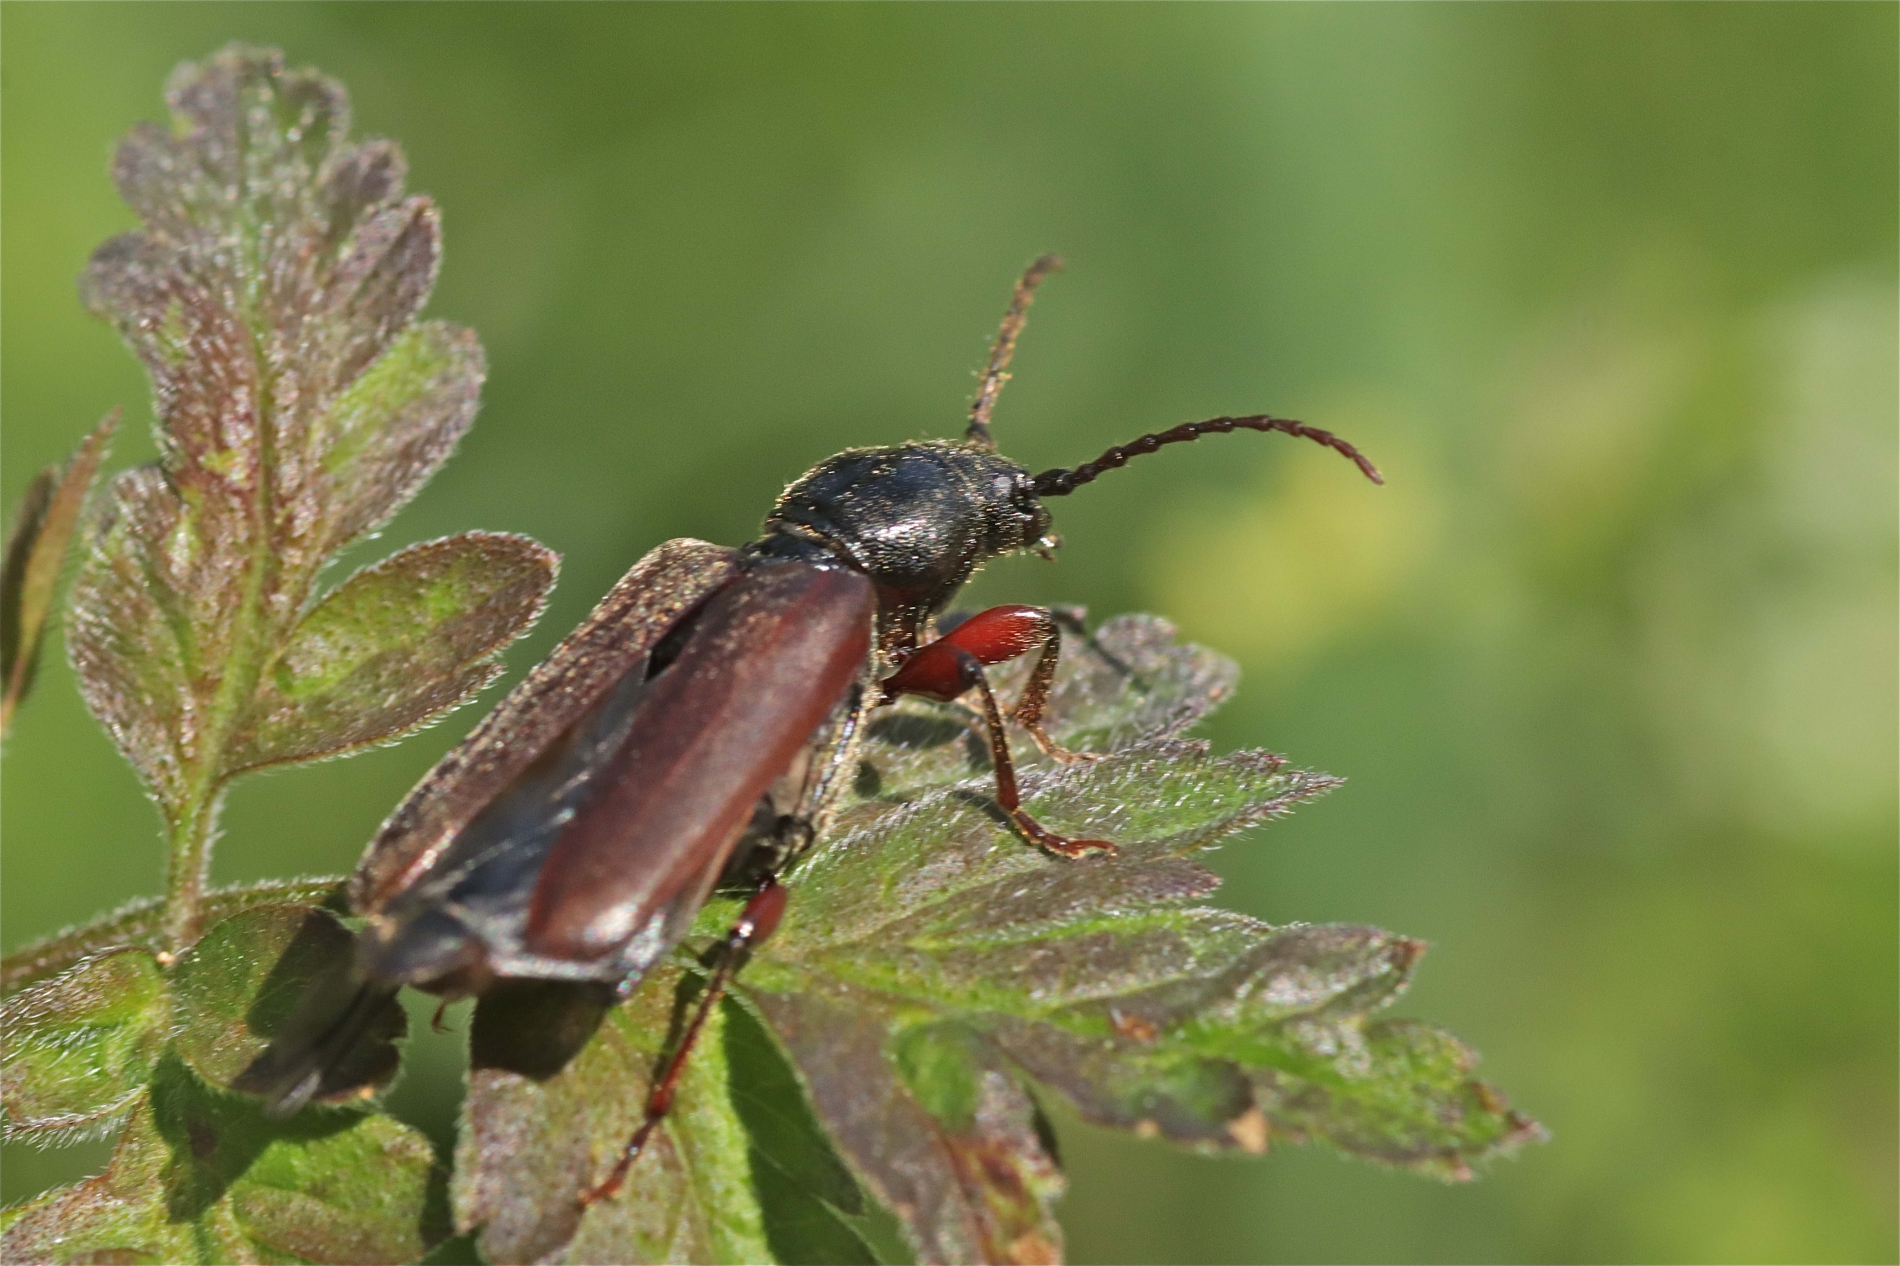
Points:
(952, 666)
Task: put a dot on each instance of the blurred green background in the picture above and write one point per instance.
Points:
(1608, 291)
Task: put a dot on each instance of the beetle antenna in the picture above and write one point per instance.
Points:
(1060, 482)
(978, 435)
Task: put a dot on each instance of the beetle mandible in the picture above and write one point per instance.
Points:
(699, 724)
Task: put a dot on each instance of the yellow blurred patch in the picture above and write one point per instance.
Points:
(1310, 555)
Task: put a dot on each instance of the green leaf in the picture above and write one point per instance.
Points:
(812, 1205)
(922, 936)
(80, 1046)
(542, 1125)
(36, 547)
(395, 426)
(934, 1123)
(741, 1172)
(271, 293)
(395, 646)
(938, 875)
(141, 923)
(201, 1176)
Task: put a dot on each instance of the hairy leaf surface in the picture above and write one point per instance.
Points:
(200, 1176)
(200, 1173)
(394, 646)
(80, 1047)
(272, 294)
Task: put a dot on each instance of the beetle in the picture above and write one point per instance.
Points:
(698, 726)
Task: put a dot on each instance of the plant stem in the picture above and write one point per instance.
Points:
(190, 864)
(194, 824)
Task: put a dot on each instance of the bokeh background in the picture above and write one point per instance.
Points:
(1608, 291)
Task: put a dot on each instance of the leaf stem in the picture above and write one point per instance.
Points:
(190, 865)
(194, 821)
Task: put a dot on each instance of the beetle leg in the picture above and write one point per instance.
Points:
(971, 670)
(992, 636)
(1035, 697)
(755, 923)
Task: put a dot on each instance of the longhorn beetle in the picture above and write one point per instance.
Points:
(700, 724)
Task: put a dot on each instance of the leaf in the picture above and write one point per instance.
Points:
(933, 971)
(36, 548)
(395, 646)
(541, 1126)
(80, 1047)
(937, 1127)
(395, 426)
(271, 295)
(200, 1173)
(1400, 1093)
(141, 923)
(812, 1205)
(200, 1176)
(744, 1174)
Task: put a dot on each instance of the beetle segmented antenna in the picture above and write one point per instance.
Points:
(1004, 348)
(1060, 482)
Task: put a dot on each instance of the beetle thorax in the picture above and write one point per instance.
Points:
(917, 518)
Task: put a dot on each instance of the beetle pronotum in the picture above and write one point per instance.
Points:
(698, 725)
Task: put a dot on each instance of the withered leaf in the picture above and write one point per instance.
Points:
(36, 547)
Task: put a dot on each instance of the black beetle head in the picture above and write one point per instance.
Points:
(917, 518)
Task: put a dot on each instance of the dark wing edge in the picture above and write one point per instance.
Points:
(625, 625)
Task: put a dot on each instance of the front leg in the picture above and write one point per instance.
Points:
(994, 636)
(952, 666)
